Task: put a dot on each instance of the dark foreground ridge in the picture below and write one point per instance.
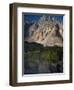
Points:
(39, 59)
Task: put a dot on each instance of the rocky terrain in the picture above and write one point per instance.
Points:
(46, 32)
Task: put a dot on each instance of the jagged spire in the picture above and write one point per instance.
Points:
(41, 32)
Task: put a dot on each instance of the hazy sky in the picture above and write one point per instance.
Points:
(31, 17)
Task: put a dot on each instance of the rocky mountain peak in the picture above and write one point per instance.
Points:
(46, 32)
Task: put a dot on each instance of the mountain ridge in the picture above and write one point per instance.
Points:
(46, 32)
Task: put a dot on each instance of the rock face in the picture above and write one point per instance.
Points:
(46, 32)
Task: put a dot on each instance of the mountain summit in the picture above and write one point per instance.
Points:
(46, 31)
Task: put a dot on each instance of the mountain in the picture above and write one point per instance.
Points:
(46, 32)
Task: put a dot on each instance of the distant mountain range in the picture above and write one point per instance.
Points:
(46, 32)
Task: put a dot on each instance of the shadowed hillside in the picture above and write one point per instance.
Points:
(40, 59)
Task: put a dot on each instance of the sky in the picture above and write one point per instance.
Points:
(31, 17)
